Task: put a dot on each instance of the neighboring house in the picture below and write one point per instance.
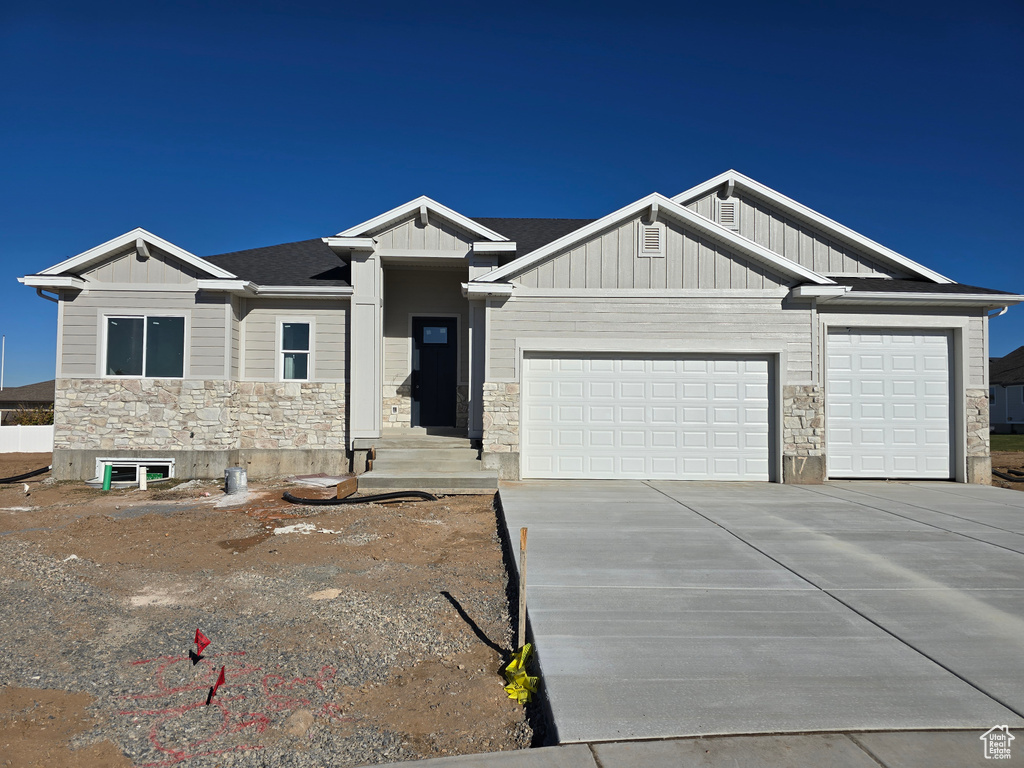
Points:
(727, 333)
(1006, 392)
(27, 397)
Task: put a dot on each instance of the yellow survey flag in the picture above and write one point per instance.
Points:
(521, 686)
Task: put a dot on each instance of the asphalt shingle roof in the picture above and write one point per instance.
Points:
(531, 234)
(307, 262)
(40, 392)
(1007, 370)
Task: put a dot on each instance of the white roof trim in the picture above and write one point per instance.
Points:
(820, 291)
(488, 247)
(242, 287)
(58, 281)
(247, 288)
(350, 243)
(801, 211)
(893, 297)
(326, 291)
(129, 238)
(475, 290)
(414, 206)
(745, 247)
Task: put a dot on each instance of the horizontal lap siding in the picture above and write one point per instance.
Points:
(330, 338)
(411, 235)
(610, 260)
(81, 339)
(710, 325)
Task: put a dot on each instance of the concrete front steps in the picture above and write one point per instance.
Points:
(413, 459)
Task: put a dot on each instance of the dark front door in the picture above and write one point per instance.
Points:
(434, 371)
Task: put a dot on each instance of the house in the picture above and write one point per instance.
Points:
(27, 397)
(1006, 392)
(726, 333)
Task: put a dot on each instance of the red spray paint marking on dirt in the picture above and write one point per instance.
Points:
(247, 707)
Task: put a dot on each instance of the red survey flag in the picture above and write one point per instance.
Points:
(220, 681)
(201, 641)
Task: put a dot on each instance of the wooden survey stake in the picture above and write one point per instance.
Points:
(522, 587)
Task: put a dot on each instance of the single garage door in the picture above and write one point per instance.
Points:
(645, 416)
(887, 404)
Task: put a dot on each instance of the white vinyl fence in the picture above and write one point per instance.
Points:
(26, 439)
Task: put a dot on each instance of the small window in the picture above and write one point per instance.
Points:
(153, 347)
(295, 351)
(652, 240)
(435, 334)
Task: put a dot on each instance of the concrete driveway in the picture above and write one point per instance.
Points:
(664, 609)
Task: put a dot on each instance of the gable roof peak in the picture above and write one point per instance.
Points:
(802, 213)
(432, 207)
(132, 237)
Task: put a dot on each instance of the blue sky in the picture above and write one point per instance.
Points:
(225, 126)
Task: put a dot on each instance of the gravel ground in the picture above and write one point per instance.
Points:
(339, 649)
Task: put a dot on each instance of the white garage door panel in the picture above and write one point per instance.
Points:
(888, 405)
(645, 417)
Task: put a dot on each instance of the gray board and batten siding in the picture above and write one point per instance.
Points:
(412, 235)
(797, 241)
(128, 268)
(261, 320)
(610, 260)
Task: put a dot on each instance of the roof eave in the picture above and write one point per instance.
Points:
(979, 300)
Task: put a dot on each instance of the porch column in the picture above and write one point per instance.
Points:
(477, 355)
(365, 348)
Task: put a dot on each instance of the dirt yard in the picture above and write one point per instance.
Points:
(376, 636)
(1006, 460)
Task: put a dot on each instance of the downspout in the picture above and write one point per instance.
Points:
(55, 300)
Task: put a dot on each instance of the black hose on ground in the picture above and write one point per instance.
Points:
(26, 476)
(421, 495)
(1007, 477)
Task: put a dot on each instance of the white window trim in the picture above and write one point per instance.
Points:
(280, 350)
(145, 347)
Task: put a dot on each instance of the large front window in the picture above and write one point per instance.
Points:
(295, 351)
(149, 346)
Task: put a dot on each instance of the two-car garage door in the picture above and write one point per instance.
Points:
(645, 416)
(709, 417)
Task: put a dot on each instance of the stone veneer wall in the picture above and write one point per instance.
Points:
(803, 429)
(209, 415)
(979, 457)
(501, 428)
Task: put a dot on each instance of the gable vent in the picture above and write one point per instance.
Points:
(652, 239)
(729, 214)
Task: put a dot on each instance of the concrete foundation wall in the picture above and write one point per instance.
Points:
(81, 464)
